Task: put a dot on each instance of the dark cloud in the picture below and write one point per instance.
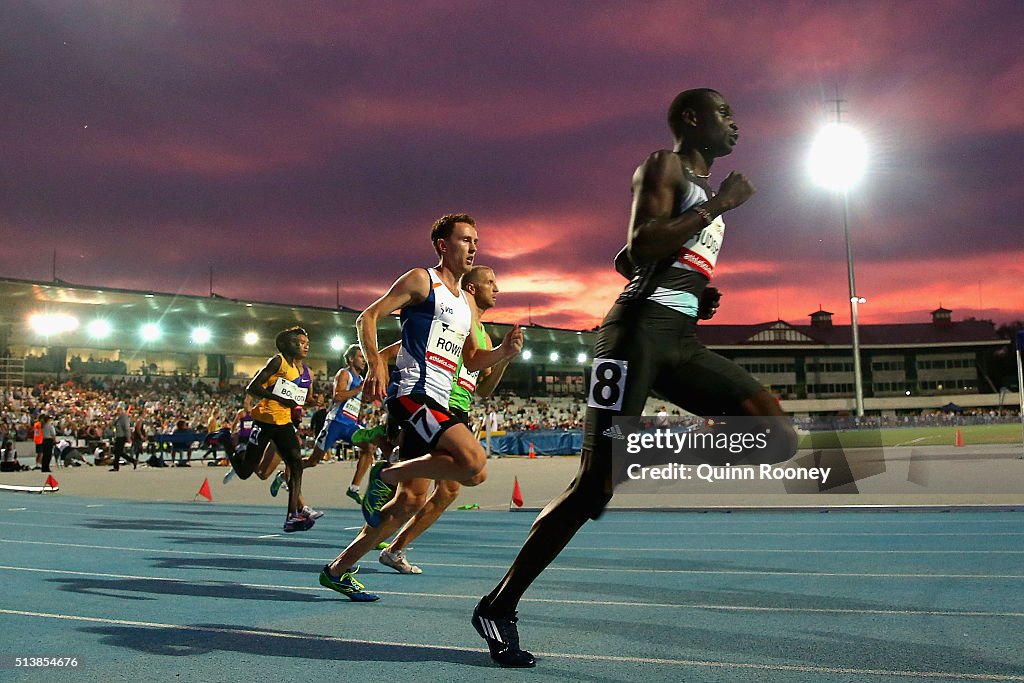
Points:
(149, 142)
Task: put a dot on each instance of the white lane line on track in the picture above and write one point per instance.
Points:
(830, 533)
(207, 533)
(740, 515)
(600, 529)
(16, 510)
(751, 666)
(747, 517)
(602, 603)
(458, 565)
(660, 548)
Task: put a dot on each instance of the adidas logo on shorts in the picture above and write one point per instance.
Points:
(615, 432)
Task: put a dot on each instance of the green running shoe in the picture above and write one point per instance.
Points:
(377, 495)
(347, 585)
(353, 493)
(366, 435)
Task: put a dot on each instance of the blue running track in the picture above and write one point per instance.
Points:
(197, 592)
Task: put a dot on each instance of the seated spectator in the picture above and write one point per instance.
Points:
(181, 427)
(101, 455)
(9, 458)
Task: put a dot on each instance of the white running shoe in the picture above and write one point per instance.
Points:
(229, 476)
(397, 561)
(311, 513)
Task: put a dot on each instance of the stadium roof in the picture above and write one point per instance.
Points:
(781, 333)
(125, 310)
(229, 319)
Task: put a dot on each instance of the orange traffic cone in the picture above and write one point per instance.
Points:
(204, 491)
(517, 496)
(533, 453)
(959, 442)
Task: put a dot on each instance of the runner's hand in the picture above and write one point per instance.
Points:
(734, 190)
(513, 341)
(376, 382)
(710, 299)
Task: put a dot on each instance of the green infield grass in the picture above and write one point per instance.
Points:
(973, 435)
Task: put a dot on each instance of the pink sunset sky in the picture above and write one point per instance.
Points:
(302, 148)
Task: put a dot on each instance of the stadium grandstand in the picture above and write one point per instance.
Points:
(51, 332)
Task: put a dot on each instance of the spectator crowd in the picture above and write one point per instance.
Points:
(87, 414)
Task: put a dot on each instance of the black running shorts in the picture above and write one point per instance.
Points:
(285, 438)
(661, 354)
(422, 421)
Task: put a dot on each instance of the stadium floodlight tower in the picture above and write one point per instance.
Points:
(838, 162)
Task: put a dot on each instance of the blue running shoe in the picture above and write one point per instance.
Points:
(347, 585)
(377, 495)
(278, 484)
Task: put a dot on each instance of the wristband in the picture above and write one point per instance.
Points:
(703, 213)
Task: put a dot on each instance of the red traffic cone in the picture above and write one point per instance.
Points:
(204, 491)
(959, 442)
(52, 483)
(533, 453)
(517, 496)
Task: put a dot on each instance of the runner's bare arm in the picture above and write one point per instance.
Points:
(475, 358)
(624, 264)
(654, 233)
(341, 390)
(390, 352)
(490, 377)
(411, 288)
(257, 389)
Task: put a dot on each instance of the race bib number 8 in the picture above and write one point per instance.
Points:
(285, 389)
(607, 383)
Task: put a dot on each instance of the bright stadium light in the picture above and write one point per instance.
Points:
(99, 328)
(337, 343)
(200, 335)
(838, 160)
(581, 358)
(527, 354)
(839, 157)
(150, 332)
(52, 323)
(251, 338)
(553, 357)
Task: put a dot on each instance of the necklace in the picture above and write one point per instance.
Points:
(697, 175)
